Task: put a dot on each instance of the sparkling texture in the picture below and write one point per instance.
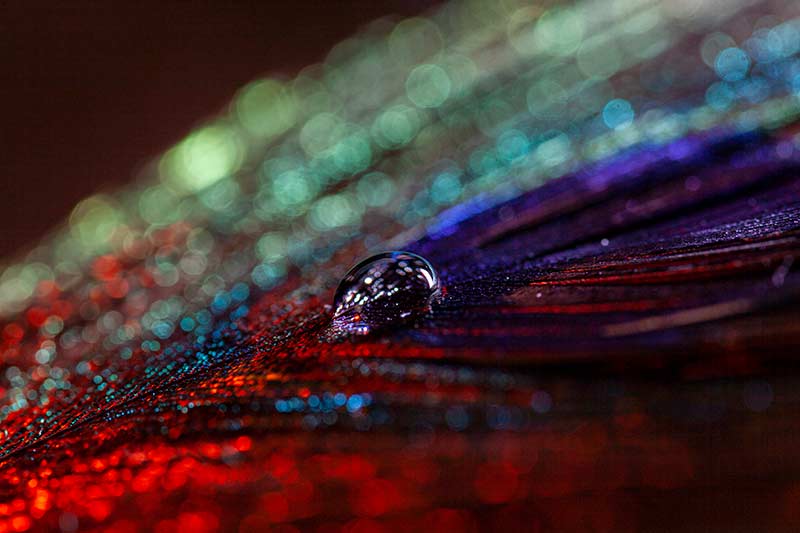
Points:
(609, 192)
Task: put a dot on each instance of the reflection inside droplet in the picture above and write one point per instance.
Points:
(389, 288)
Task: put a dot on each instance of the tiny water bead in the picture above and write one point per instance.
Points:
(390, 288)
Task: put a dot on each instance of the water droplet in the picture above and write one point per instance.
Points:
(389, 288)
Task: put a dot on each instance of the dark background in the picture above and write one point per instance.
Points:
(91, 90)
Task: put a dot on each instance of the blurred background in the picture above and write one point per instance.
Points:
(93, 90)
